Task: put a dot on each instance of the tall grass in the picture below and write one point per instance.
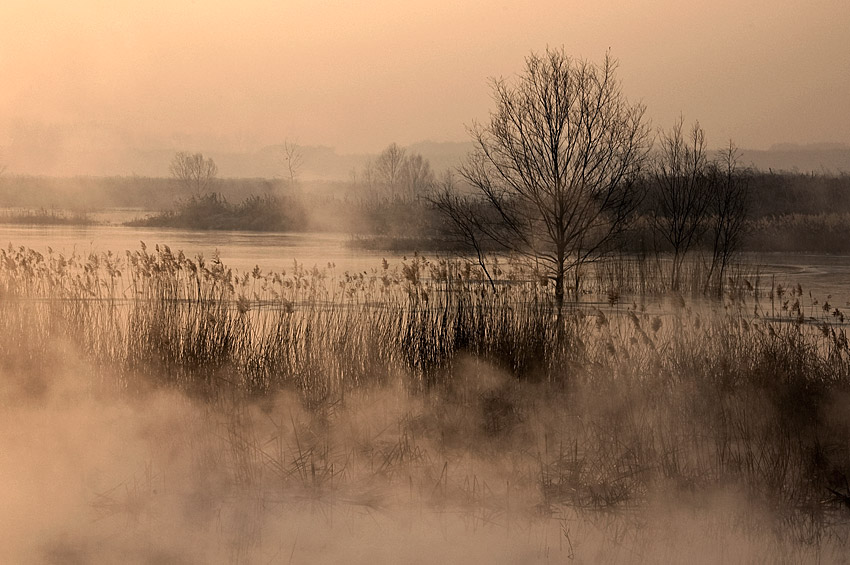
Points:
(201, 326)
(608, 406)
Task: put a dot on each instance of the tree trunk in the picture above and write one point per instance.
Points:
(559, 297)
(559, 289)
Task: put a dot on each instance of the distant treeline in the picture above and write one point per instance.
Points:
(788, 211)
(797, 193)
(797, 212)
(773, 193)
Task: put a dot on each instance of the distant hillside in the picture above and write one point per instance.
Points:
(112, 157)
(826, 158)
(325, 164)
(318, 163)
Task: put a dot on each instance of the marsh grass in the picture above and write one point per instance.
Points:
(45, 217)
(414, 384)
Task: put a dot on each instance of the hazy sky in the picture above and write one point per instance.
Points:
(356, 75)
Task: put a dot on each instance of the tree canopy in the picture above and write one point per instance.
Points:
(558, 162)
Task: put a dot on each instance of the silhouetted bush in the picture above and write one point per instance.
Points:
(213, 212)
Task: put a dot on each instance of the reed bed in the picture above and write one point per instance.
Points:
(490, 402)
(200, 326)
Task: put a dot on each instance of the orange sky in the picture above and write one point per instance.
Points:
(216, 75)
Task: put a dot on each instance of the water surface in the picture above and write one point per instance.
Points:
(239, 250)
(821, 274)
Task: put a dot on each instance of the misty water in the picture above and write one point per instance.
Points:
(386, 476)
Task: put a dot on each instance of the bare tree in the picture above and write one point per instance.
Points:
(399, 174)
(557, 163)
(464, 220)
(417, 175)
(389, 167)
(729, 208)
(193, 171)
(292, 159)
(681, 192)
(369, 176)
